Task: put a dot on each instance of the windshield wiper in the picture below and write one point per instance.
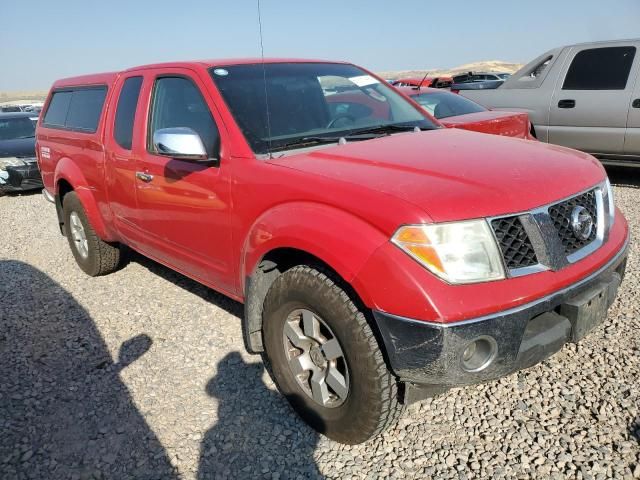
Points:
(24, 136)
(310, 141)
(367, 133)
(386, 129)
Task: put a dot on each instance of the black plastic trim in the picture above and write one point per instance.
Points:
(429, 353)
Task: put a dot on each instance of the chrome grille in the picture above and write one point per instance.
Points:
(544, 238)
(514, 243)
(560, 213)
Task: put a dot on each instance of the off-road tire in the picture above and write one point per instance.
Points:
(372, 403)
(103, 257)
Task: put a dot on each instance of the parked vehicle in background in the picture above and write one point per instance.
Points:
(10, 109)
(584, 96)
(470, 77)
(381, 257)
(434, 82)
(456, 111)
(483, 85)
(18, 166)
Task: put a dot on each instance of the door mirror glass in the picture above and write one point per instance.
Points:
(179, 142)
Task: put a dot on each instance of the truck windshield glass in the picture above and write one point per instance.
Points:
(309, 100)
(15, 128)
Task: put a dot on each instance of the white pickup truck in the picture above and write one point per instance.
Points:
(584, 96)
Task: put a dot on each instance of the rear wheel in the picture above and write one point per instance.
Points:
(325, 359)
(93, 255)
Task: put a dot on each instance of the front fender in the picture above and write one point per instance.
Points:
(68, 171)
(340, 239)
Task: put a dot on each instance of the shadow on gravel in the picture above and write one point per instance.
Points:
(634, 429)
(257, 435)
(624, 176)
(211, 296)
(64, 412)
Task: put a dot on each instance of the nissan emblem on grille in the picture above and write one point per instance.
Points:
(581, 222)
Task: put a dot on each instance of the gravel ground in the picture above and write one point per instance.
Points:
(142, 374)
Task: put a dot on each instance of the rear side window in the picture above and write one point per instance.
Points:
(126, 112)
(58, 108)
(85, 109)
(76, 109)
(600, 69)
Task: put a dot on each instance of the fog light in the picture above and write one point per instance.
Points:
(479, 354)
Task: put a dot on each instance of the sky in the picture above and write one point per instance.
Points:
(43, 40)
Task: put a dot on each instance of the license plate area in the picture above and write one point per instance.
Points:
(587, 310)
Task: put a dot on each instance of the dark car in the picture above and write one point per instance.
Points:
(18, 166)
(478, 81)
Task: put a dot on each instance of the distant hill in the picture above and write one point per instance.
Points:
(486, 66)
(22, 97)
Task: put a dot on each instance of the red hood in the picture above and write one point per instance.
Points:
(453, 174)
(510, 124)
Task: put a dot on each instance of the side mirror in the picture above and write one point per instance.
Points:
(180, 142)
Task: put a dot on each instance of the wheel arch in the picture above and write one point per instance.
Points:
(326, 238)
(68, 178)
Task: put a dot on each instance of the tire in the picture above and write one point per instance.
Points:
(94, 256)
(371, 403)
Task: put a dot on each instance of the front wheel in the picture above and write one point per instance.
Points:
(325, 359)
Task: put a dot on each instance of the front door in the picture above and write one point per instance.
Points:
(591, 101)
(184, 205)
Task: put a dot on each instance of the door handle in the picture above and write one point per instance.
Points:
(566, 103)
(145, 177)
(636, 103)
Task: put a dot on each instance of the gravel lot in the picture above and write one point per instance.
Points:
(142, 374)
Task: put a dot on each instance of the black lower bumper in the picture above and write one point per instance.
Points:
(21, 178)
(439, 356)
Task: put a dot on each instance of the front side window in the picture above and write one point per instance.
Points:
(280, 105)
(600, 69)
(126, 112)
(177, 102)
(445, 104)
(16, 128)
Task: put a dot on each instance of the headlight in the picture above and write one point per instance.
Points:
(460, 252)
(608, 199)
(11, 162)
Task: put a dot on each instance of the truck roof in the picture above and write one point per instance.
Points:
(109, 77)
(602, 42)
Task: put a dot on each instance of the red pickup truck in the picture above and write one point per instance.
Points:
(381, 258)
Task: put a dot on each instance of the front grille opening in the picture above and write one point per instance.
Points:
(514, 242)
(560, 214)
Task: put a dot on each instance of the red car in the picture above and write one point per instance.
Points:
(434, 82)
(381, 257)
(456, 111)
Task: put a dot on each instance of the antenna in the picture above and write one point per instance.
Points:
(264, 78)
(423, 79)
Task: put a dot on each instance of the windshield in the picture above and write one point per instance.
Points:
(309, 100)
(445, 104)
(14, 128)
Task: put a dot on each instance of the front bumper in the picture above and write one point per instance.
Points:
(431, 354)
(21, 178)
